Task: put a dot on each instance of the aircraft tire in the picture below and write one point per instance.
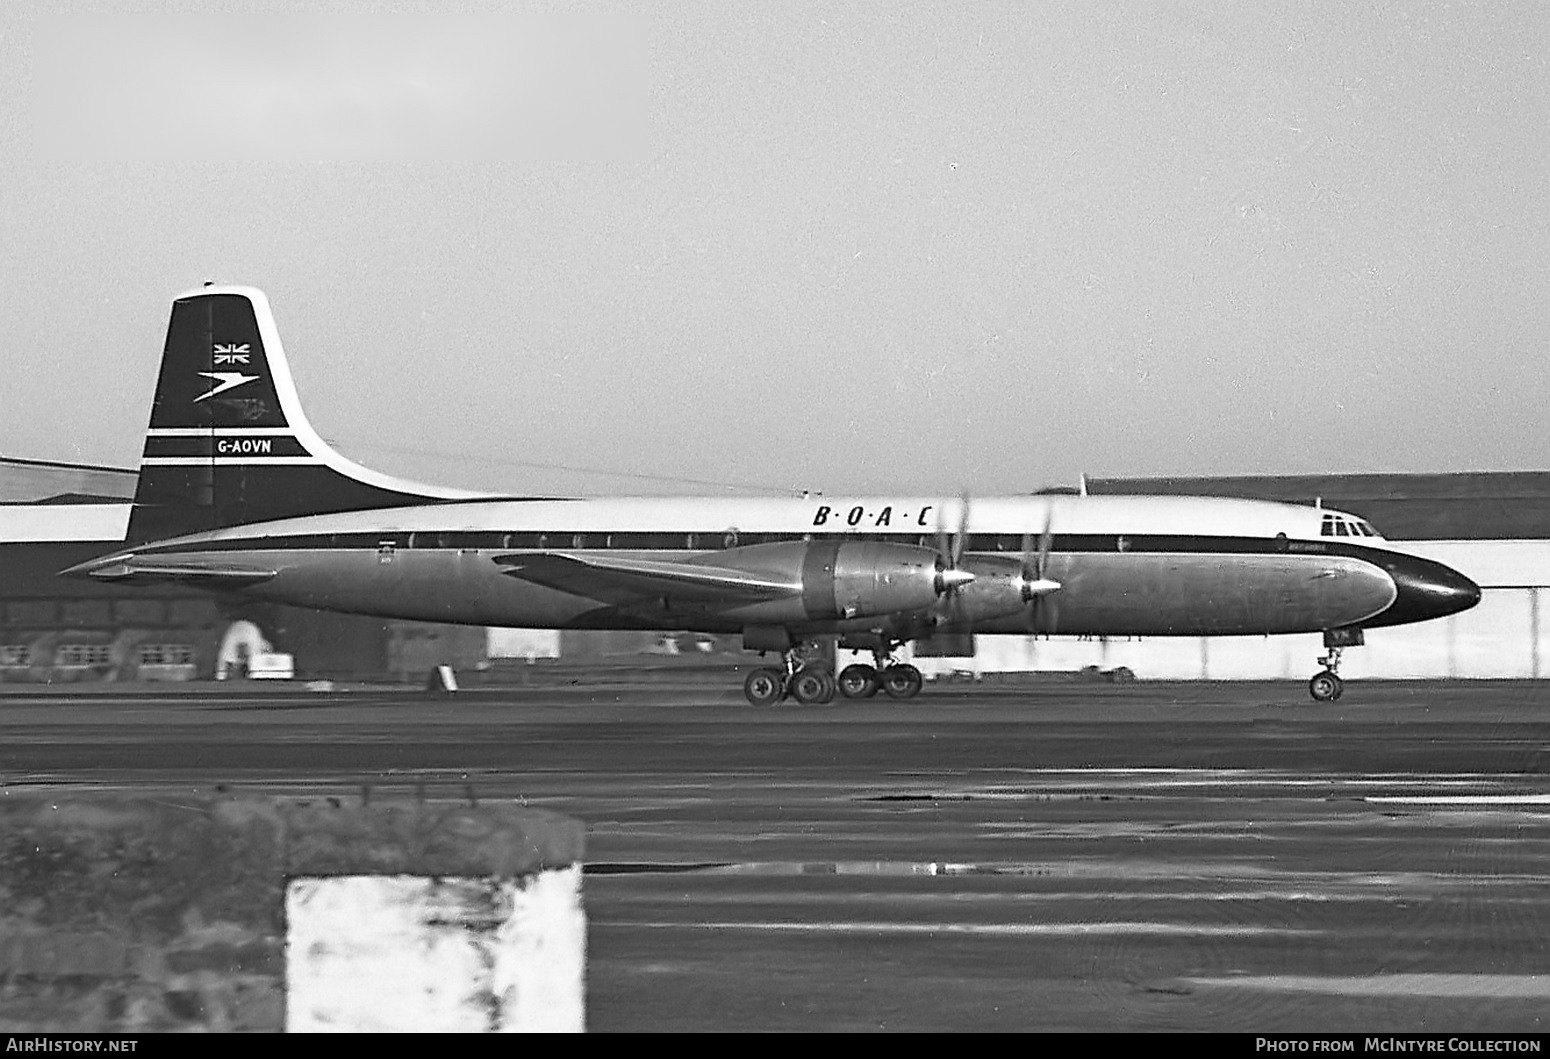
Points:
(859, 682)
(831, 688)
(902, 681)
(1326, 687)
(812, 686)
(764, 686)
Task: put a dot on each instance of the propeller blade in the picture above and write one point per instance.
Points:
(951, 548)
(1046, 540)
(1037, 586)
(962, 538)
(950, 576)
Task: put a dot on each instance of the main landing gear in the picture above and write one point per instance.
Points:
(814, 684)
(810, 683)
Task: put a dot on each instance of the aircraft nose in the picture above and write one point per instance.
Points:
(1426, 589)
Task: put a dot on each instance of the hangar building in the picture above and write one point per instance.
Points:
(56, 630)
(1493, 527)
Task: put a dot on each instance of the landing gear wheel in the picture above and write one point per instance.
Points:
(1326, 687)
(902, 681)
(831, 688)
(764, 687)
(813, 686)
(859, 682)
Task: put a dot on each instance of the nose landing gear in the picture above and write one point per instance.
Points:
(1326, 686)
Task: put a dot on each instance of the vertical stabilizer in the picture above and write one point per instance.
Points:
(228, 442)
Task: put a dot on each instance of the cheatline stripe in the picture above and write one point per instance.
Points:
(1007, 546)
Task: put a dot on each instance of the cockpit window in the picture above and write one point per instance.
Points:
(1340, 526)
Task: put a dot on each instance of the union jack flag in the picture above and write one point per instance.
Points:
(231, 354)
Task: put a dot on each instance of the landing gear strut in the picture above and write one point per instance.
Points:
(1326, 686)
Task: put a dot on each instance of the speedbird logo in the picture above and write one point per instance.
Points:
(224, 380)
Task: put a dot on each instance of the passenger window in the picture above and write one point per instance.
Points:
(1340, 530)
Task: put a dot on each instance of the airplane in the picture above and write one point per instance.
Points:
(238, 494)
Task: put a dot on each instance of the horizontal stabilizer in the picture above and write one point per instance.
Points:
(617, 580)
(132, 569)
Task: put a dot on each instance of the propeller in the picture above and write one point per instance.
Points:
(1036, 584)
(951, 578)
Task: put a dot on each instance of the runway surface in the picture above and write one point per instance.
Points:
(1046, 856)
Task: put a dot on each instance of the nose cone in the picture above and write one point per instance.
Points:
(1426, 590)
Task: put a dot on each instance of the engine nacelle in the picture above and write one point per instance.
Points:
(842, 579)
(997, 591)
(870, 579)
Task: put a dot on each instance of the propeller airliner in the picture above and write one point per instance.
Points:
(238, 494)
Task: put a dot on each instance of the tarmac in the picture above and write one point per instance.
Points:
(1043, 855)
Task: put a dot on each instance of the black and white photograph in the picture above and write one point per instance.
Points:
(785, 516)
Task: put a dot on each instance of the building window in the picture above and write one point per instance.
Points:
(82, 654)
(166, 654)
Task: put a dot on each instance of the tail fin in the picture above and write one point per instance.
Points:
(228, 442)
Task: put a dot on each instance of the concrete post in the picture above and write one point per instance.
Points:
(235, 913)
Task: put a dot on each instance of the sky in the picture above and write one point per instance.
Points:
(874, 247)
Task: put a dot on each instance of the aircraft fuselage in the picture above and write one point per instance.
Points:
(1125, 566)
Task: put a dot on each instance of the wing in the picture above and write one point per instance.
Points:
(616, 580)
